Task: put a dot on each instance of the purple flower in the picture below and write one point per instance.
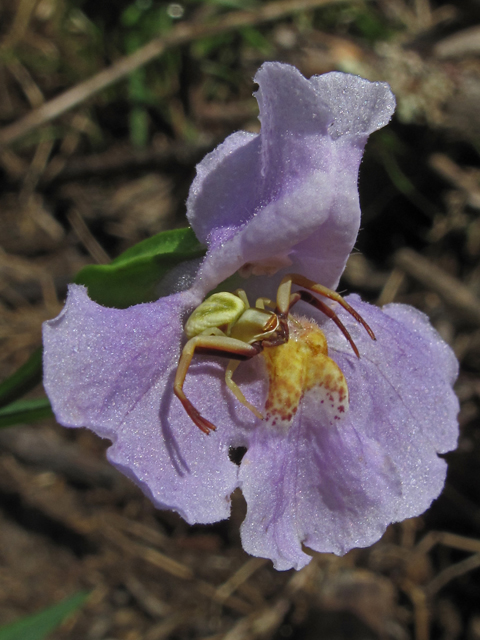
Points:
(282, 201)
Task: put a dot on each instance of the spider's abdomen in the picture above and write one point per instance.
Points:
(218, 311)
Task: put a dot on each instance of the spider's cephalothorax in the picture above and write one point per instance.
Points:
(225, 325)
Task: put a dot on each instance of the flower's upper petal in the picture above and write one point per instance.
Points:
(218, 203)
(360, 107)
(334, 487)
(112, 371)
(288, 195)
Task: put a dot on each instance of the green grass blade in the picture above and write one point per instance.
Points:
(23, 380)
(24, 411)
(39, 625)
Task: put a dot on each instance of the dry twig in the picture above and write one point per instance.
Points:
(179, 35)
(453, 292)
(452, 572)
(86, 237)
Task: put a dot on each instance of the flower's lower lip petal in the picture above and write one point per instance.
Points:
(401, 396)
(338, 487)
(175, 464)
(419, 323)
(99, 362)
(109, 369)
(179, 468)
(322, 485)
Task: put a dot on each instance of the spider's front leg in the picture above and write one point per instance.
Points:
(286, 300)
(217, 345)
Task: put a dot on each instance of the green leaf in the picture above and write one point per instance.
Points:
(133, 277)
(23, 411)
(38, 626)
(23, 380)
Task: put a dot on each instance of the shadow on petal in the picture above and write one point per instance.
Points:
(171, 444)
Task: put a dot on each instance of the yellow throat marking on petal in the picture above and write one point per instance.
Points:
(301, 366)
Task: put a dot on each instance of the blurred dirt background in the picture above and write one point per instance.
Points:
(108, 164)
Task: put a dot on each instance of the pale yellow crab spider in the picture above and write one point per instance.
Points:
(225, 325)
